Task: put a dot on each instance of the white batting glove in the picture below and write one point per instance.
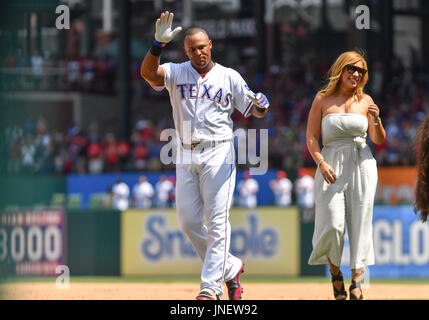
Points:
(259, 100)
(163, 33)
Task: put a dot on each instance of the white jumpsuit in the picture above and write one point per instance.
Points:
(350, 200)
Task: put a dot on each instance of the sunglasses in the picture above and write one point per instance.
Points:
(352, 69)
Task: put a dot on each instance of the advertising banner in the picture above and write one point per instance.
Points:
(266, 239)
(401, 245)
(31, 242)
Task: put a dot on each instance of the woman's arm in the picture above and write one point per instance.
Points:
(375, 127)
(313, 128)
(313, 134)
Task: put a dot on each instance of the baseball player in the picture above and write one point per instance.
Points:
(203, 95)
(121, 193)
(282, 189)
(304, 188)
(247, 189)
(143, 193)
(163, 188)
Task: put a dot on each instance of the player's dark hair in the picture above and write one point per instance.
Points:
(194, 30)
(421, 204)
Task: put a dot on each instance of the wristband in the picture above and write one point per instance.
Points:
(159, 44)
(157, 47)
(378, 121)
(261, 110)
(320, 161)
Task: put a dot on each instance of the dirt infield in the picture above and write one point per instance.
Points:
(188, 291)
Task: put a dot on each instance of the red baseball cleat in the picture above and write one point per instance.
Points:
(234, 286)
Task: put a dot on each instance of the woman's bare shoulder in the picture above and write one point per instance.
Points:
(319, 98)
(367, 98)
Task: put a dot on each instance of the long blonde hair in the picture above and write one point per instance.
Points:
(336, 70)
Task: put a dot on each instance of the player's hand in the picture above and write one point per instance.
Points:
(327, 172)
(163, 31)
(259, 100)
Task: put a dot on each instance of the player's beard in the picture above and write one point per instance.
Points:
(203, 68)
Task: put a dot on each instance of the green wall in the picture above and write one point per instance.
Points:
(306, 235)
(93, 242)
(28, 191)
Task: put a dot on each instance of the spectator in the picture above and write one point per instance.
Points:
(124, 150)
(247, 190)
(107, 199)
(14, 162)
(73, 74)
(111, 154)
(172, 193)
(95, 157)
(282, 188)
(121, 193)
(140, 153)
(36, 64)
(163, 187)
(143, 193)
(28, 152)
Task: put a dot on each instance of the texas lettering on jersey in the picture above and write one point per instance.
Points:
(209, 92)
(197, 100)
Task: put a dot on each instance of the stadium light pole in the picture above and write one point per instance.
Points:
(124, 69)
(425, 29)
(28, 37)
(269, 26)
(89, 29)
(259, 12)
(388, 39)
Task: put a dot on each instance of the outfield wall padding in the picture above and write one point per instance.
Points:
(28, 191)
(93, 242)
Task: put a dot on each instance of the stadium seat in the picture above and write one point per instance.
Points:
(74, 201)
(95, 200)
(58, 200)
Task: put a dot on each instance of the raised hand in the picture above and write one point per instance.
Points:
(163, 32)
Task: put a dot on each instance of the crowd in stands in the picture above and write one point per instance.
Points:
(95, 74)
(31, 147)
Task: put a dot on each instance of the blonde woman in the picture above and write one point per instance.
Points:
(346, 176)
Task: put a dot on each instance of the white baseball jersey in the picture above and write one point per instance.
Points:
(283, 191)
(121, 193)
(202, 108)
(305, 191)
(248, 189)
(162, 190)
(143, 193)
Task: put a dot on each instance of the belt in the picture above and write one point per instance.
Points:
(356, 143)
(202, 144)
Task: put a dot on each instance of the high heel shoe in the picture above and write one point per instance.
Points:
(339, 294)
(353, 286)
